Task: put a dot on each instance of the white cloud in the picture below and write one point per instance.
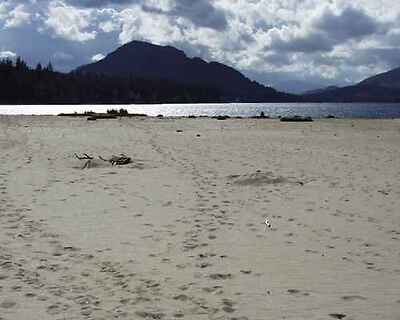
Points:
(140, 25)
(98, 57)
(17, 17)
(3, 10)
(7, 54)
(109, 26)
(70, 23)
(108, 20)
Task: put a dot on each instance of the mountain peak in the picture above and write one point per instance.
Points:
(142, 45)
(150, 61)
(142, 49)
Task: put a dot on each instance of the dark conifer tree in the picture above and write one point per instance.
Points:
(49, 67)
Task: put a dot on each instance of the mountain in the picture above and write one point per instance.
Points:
(293, 86)
(21, 84)
(384, 87)
(148, 61)
(321, 90)
(390, 80)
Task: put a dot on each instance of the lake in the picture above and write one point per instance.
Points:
(315, 110)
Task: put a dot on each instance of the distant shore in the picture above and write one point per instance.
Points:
(244, 110)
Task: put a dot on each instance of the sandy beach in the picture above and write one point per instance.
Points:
(180, 234)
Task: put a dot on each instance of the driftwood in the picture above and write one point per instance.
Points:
(114, 160)
(86, 157)
(118, 160)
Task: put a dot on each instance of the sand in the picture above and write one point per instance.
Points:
(180, 233)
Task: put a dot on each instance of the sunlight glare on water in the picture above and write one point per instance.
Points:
(274, 110)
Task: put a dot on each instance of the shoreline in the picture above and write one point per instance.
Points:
(192, 117)
(248, 110)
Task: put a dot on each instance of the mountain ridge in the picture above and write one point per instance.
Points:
(383, 87)
(150, 61)
(320, 90)
(388, 79)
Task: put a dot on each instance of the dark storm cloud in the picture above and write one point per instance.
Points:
(313, 42)
(331, 29)
(201, 13)
(349, 24)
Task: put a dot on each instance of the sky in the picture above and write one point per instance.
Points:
(292, 45)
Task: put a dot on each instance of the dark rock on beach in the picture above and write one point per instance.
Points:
(296, 119)
(221, 117)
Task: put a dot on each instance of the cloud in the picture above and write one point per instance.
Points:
(202, 13)
(98, 57)
(376, 57)
(99, 3)
(109, 26)
(17, 17)
(69, 23)
(276, 41)
(7, 54)
(14, 15)
(325, 31)
(60, 56)
(350, 23)
(311, 42)
(3, 10)
(141, 25)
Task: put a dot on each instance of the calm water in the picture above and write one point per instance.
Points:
(315, 110)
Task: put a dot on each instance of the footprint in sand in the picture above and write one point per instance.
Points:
(297, 292)
(182, 297)
(353, 298)
(228, 306)
(221, 276)
(7, 304)
(150, 315)
(54, 309)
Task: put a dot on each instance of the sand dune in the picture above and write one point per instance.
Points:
(180, 233)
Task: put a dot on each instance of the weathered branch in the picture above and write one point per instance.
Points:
(87, 164)
(120, 160)
(85, 156)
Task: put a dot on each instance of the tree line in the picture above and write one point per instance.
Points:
(21, 84)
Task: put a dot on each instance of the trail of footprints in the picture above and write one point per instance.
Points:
(52, 274)
(205, 222)
(105, 289)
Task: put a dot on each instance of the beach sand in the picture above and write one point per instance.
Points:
(180, 233)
